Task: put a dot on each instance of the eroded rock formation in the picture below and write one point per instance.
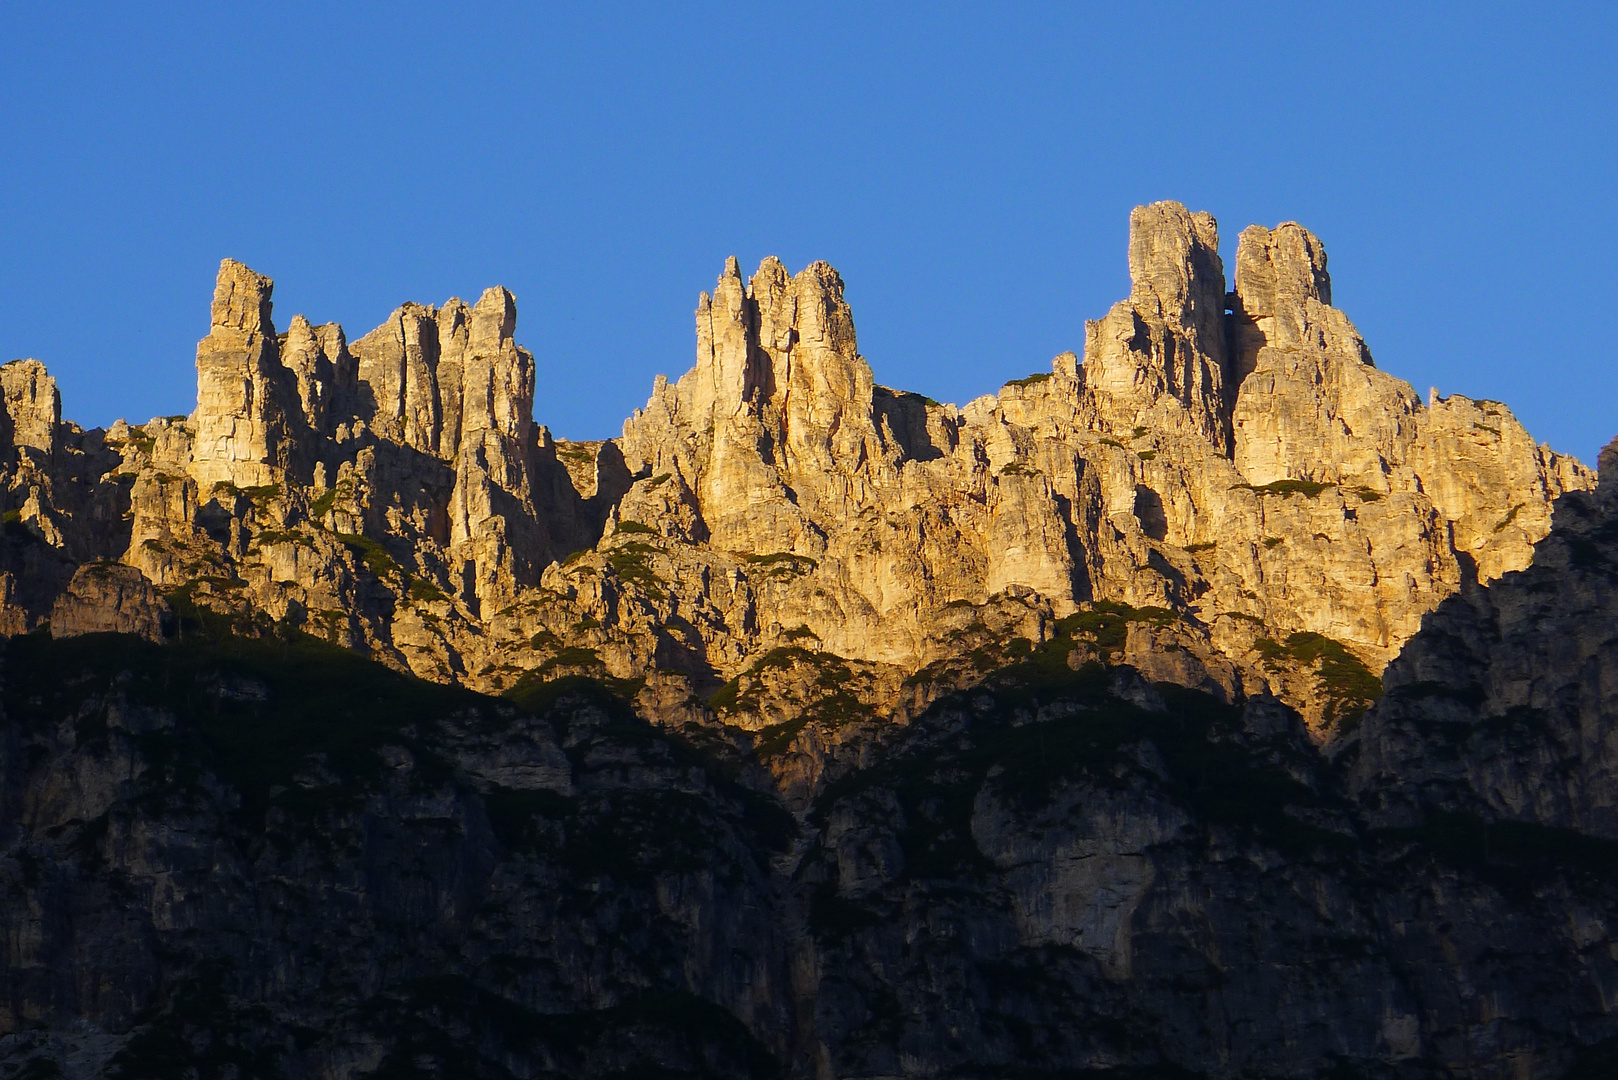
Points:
(271, 857)
(1037, 733)
(1503, 707)
(1232, 458)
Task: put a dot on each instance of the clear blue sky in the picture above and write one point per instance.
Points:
(969, 169)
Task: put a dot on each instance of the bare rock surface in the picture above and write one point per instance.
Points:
(109, 598)
(1230, 456)
(1506, 704)
(242, 434)
(844, 732)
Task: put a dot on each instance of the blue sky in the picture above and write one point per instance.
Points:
(969, 171)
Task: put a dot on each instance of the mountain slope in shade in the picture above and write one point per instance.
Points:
(268, 856)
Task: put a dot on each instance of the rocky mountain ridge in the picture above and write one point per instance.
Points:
(1211, 708)
(1233, 458)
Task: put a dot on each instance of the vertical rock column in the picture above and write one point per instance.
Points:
(775, 420)
(495, 535)
(1157, 360)
(241, 416)
(823, 386)
(454, 335)
(398, 391)
(738, 393)
(29, 426)
(1311, 405)
(315, 356)
(33, 410)
(727, 347)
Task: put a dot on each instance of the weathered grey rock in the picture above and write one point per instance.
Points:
(1055, 864)
(409, 874)
(1310, 404)
(397, 496)
(398, 395)
(494, 531)
(1158, 358)
(454, 337)
(106, 597)
(318, 358)
(1033, 881)
(33, 409)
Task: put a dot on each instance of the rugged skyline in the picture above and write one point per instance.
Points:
(1211, 707)
(969, 176)
(1233, 459)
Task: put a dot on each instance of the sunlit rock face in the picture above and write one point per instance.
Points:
(1225, 452)
(1504, 705)
(242, 430)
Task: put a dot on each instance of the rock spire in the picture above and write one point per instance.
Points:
(1233, 458)
(1157, 360)
(241, 418)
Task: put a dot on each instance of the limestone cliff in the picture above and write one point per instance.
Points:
(229, 856)
(243, 433)
(843, 732)
(1230, 458)
(1158, 359)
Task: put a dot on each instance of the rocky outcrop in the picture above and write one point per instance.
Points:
(318, 359)
(494, 528)
(398, 391)
(1158, 359)
(1504, 705)
(33, 411)
(1467, 452)
(419, 436)
(241, 421)
(776, 411)
(273, 856)
(1311, 405)
(1039, 877)
(1248, 470)
(1040, 732)
(108, 598)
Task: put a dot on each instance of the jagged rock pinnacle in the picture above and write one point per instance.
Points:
(241, 429)
(1158, 359)
(1253, 473)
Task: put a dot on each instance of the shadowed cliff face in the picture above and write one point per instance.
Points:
(267, 856)
(1504, 705)
(1066, 865)
(277, 859)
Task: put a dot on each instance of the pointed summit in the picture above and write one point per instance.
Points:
(242, 396)
(1158, 359)
(494, 320)
(1309, 404)
(241, 301)
(1278, 272)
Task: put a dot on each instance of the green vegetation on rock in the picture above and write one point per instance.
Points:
(1308, 488)
(1348, 686)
